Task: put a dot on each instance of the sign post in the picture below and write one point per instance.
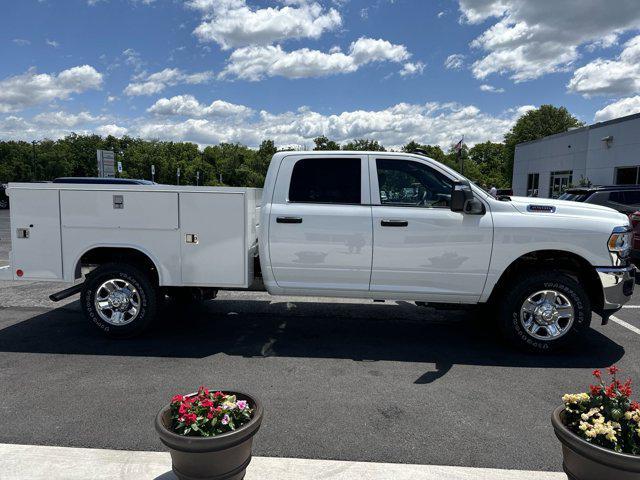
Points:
(106, 163)
(198, 178)
(178, 175)
(119, 167)
(153, 173)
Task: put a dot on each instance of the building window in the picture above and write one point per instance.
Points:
(627, 175)
(326, 180)
(559, 182)
(533, 181)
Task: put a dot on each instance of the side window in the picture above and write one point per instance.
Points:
(412, 184)
(326, 180)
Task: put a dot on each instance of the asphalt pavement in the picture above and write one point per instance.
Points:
(351, 380)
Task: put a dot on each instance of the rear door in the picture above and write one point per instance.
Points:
(320, 235)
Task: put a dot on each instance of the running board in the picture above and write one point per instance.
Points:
(66, 293)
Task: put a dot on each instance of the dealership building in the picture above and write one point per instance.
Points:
(606, 153)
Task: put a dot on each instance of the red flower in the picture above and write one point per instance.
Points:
(613, 370)
(206, 403)
(595, 389)
(597, 373)
(610, 391)
(190, 418)
(626, 388)
(203, 392)
(184, 408)
(218, 395)
(209, 415)
(634, 406)
(177, 398)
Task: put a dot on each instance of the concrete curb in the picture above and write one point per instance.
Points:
(18, 462)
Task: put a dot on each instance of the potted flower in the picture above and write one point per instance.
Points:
(209, 434)
(600, 431)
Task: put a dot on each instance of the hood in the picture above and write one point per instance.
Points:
(528, 206)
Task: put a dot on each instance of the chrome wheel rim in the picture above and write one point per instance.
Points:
(117, 302)
(547, 315)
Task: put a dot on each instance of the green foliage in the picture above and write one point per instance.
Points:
(535, 124)
(488, 164)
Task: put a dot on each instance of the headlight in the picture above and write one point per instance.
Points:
(620, 241)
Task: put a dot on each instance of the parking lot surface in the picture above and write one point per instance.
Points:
(351, 380)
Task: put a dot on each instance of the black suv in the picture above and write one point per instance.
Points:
(623, 198)
(4, 200)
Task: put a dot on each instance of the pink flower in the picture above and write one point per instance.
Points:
(225, 419)
(242, 404)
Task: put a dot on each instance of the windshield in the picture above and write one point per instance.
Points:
(574, 197)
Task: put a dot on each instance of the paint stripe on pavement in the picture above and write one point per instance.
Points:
(18, 462)
(625, 324)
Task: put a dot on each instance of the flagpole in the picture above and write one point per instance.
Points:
(460, 154)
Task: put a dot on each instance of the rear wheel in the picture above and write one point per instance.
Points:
(119, 299)
(544, 311)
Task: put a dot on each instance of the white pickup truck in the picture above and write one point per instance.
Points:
(370, 225)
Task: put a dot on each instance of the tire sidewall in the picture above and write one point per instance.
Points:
(138, 280)
(560, 283)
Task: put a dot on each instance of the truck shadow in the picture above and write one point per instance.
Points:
(254, 328)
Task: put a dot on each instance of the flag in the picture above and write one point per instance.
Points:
(458, 146)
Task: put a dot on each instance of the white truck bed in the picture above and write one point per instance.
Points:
(196, 236)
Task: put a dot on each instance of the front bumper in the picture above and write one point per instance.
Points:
(617, 286)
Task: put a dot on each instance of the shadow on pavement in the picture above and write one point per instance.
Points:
(361, 332)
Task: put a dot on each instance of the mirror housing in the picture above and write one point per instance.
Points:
(460, 193)
(462, 200)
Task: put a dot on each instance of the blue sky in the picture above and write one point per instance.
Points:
(241, 70)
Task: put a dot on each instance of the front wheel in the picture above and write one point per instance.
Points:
(119, 299)
(544, 311)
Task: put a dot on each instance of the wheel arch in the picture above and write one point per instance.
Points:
(560, 260)
(97, 255)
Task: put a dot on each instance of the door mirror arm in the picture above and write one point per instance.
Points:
(463, 200)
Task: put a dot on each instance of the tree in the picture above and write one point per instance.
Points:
(490, 159)
(433, 151)
(323, 143)
(363, 144)
(535, 124)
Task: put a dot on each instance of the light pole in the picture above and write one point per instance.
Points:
(34, 160)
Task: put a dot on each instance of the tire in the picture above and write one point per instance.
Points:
(136, 291)
(527, 311)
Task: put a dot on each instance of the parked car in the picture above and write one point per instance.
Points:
(623, 198)
(4, 199)
(103, 181)
(635, 224)
(321, 227)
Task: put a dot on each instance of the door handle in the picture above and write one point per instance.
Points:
(394, 223)
(289, 220)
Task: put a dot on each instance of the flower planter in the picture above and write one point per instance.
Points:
(221, 457)
(584, 461)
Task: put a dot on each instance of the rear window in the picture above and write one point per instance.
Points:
(326, 180)
(629, 197)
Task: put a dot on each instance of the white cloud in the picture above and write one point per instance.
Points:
(257, 62)
(620, 108)
(111, 129)
(52, 43)
(66, 120)
(232, 23)
(133, 59)
(434, 123)
(454, 62)
(610, 77)
(21, 42)
(149, 84)
(189, 106)
(412, 68)
(31, 88)
(490, 88)
(529, 39)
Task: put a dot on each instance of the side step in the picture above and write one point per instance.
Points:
(66, 293)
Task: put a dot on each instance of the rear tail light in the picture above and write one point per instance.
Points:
(19, 272)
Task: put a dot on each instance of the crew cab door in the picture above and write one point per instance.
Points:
(420, 245)
(320, 234)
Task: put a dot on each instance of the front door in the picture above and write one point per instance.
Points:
(320, 234)
(420, 245)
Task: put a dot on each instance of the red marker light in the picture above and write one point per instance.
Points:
(19, 272)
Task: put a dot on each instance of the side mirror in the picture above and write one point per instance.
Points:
(460, 194)
(462, 200)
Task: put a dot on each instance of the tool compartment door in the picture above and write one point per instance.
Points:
(213, 240)
(37, 249)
